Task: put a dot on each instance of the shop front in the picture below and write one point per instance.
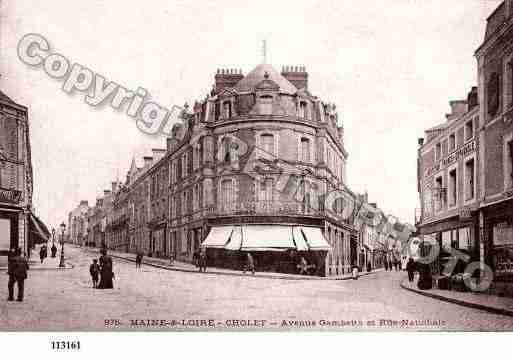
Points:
(455, 233)
(275, 248)
(9, 234)
(499, 246)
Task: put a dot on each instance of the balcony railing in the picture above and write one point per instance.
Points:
(10, 195)
(262, 208)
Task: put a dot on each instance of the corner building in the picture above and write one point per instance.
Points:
(448, 160)
(249, 169)
(495, 75)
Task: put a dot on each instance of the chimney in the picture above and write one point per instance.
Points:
(114, 187)
(148, 160)
(84, 203)
(297, 75)
(458, 108)
(158, 153)
(106, 192)
(472, 98)
(227, 78)
(421, 141)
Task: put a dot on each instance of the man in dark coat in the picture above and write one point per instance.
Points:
(410, 267)
(106, 272)
(17, 270)
(202, 261)
(54, 250)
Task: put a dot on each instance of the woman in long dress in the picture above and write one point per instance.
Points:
(106, 271)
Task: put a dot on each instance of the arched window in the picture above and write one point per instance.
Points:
(305, 150)
(266, 104)
(303, 113)
(227, 110)
(267, 143)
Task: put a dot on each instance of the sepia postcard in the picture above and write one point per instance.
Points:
(256, 166)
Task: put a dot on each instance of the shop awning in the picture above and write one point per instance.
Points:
(299, 238)
(218, 237)
(38, 232)
(265, 237)
(235, 240)
(315, 239)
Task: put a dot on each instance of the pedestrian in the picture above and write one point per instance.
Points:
(386, 265)
(42, 253)
(250, 264)
(410, 267)
(202, 261)
(369, 267)
(390, 266)
(17, 270)
(196, 257)
(94, 270)
(354, 272)
(106, 271)
(54, 250)
(138, 259)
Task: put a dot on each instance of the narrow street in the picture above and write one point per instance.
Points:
(64, 300)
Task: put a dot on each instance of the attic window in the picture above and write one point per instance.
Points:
(303, 110)
(227, 109)
(266, 104)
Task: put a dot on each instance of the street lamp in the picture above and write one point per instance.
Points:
(63, 228)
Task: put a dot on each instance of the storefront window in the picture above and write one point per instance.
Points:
(464, 238)
(446, 241)
(5, 234)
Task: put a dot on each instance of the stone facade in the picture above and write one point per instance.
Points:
(15, 176)
(78, 224)
(495, 75)
(260, 149)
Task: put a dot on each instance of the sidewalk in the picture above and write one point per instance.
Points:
(187, 267)
(486, 302)
(35, 263)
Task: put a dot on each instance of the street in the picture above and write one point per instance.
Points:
(156, 299)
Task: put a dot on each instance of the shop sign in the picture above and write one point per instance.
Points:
(502, 234)
(9, 195)
(466, 149)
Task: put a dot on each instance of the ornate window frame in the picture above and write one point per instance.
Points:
(276, 140)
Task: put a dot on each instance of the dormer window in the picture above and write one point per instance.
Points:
(303, 110)
(266, 104)
(227, 110)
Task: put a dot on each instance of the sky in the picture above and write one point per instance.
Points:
(390, 66)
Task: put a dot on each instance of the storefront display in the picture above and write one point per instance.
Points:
(502, 258)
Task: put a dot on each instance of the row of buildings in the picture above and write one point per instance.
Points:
(465, 164)
(259, 165)
(19, 227)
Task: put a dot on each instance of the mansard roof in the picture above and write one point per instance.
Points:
(264, 72)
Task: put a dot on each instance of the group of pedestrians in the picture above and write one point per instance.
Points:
(43, 252)
(200, 260)
(17, 268)
(390, 265)
(102, 271)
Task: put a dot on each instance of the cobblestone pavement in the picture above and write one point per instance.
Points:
(156, 299)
